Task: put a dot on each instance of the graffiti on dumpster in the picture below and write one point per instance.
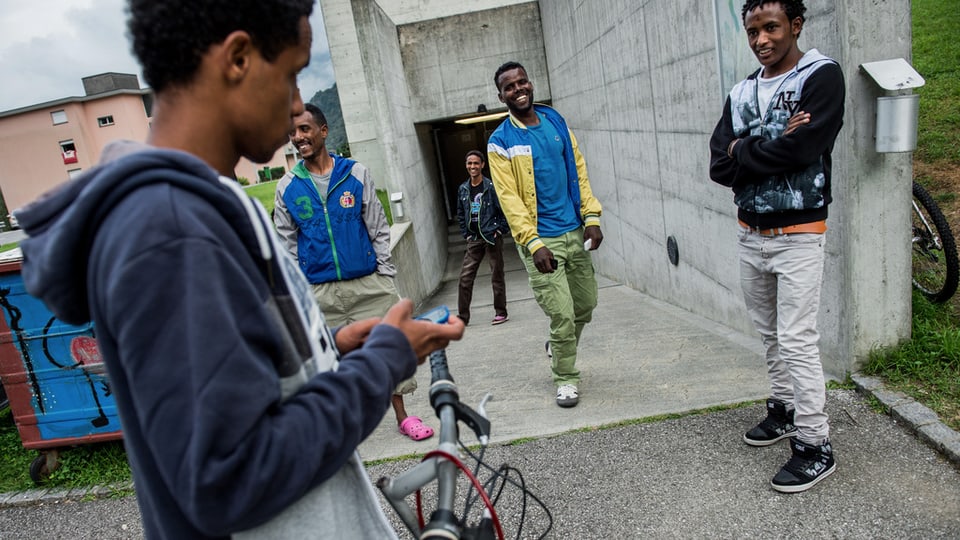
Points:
(68, 352)
(86, 357)
(13, 317)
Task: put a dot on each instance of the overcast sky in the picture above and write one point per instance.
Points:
(47, 46)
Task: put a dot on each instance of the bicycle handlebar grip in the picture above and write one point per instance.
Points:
(438, 367)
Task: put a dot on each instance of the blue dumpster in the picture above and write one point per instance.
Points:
(53, 376)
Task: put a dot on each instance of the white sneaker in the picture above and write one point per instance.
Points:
(568, 396)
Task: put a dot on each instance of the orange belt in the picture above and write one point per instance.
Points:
(816, 227)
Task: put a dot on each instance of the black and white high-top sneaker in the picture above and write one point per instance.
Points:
(809, 464)
(777, 425)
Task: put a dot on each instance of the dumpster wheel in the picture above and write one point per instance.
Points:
(44, 464)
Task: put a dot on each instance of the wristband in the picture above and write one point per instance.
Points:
(730, 148)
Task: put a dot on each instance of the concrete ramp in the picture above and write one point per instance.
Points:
(639, 357)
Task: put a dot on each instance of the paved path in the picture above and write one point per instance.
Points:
(639, 357)
(687, 477)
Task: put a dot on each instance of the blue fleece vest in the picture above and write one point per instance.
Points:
(333, 243)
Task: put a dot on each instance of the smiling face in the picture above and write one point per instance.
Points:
(773, 38)
(516, 91)
(308, 136)
(474, 167)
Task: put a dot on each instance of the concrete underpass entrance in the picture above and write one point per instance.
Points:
(451, 142)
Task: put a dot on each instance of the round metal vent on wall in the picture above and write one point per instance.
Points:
(672, 250)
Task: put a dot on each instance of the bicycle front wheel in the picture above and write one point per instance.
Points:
(935, 266)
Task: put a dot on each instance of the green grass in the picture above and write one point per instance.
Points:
(385, 202)
(80, 466)
(927, 367)
(936, 56)
(8, 247)
(263, 192)
(14, 460)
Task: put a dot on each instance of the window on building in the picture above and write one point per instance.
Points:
(69, 151)
(105, 121)
(73, 172)
(59, 117)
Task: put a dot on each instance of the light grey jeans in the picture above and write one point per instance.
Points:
(781, 277)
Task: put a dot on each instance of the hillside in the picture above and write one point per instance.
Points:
(329, 102)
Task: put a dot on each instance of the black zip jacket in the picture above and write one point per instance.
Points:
(780, 180)
(491, 217)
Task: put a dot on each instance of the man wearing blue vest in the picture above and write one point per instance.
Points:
(540, 177)
(327, 211)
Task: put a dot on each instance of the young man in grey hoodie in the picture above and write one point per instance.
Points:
(241, 410)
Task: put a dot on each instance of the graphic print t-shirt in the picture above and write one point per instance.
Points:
(475, 193)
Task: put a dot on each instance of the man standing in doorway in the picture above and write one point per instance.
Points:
(328, 214)
(773, 146)
(541, 180)
(483, 226)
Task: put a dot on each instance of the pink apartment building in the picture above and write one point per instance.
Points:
(45, 144)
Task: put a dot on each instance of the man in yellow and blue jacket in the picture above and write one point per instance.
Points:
(541, 180)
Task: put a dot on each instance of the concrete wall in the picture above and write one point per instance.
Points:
(381, 130)
(450, 62)
(876, 193)
(639, 84)
(383, 101)
(405, 254)
(407, 11)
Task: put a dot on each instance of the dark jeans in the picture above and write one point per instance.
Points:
(476, 249)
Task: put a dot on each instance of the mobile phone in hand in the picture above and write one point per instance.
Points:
(439, 314)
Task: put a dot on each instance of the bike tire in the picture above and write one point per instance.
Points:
(936, 270)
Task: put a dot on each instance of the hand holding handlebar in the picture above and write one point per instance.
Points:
(424, 336)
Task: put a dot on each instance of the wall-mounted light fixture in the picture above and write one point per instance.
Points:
(482, 117)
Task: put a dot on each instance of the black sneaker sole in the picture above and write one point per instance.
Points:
(797, 488)
(759, 443)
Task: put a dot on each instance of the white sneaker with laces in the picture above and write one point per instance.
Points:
(567, 395)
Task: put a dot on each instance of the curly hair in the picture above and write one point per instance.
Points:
(170, 37)
(477, 153)
(793, 8)
(503, 69)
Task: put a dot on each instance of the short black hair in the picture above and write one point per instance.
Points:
(318, 116)
(477, 153)
(169, 37)
(793, 8)
(507, 66)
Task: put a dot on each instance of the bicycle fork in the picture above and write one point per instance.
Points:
(927, 235)
(440, 464)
